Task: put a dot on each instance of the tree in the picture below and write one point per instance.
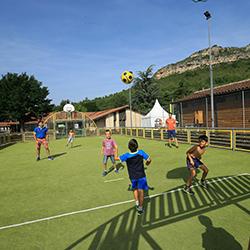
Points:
(22, 97)
(145, 91)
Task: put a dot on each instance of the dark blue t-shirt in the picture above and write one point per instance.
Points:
(135, 163)
(40, 132)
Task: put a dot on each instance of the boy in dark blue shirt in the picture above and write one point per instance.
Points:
(41, 137)
(137, 176)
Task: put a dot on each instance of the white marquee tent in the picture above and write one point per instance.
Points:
(155, 116)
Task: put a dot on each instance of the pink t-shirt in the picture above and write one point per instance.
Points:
(109, 146)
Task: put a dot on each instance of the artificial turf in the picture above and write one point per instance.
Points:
(217, 218)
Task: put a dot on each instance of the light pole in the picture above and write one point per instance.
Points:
(130, 106)
(208, 17)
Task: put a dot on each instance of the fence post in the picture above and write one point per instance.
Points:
(152, 133)
(233, 138)
(143, 133)
(23, 136)
(8, 138)
(162, 134)
(136, 132)
(189, 136)
(4, 139)
(208, 135)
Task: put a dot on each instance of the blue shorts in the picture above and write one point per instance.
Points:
(197, 163)
(105, 159)
(140, 183)
(171, 134)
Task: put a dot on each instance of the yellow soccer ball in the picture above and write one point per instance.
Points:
(127, 77)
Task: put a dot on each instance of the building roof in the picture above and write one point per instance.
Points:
(91, 115)
(11, 123)
(8, 124)
(219, 90)
(100, 114)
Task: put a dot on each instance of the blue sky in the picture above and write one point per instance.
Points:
(79, 48)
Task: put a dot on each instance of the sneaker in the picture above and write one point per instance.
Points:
(203, 184)
(50, 158)
(188, 190)
(139, 210)
(116, 171)
(38, 158)
(104, 173)
(169, 145)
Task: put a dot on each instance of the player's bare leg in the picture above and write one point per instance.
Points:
(187, 188)
(38, 149)
(141, 199)
(105, 172)
(204, 175)
(115, 168)
(136, 195)
(48, 153)
(176, 142)
(170, 142)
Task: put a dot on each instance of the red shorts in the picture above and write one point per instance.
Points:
(43, 141)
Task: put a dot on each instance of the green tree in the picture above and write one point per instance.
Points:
(22, 97)
(145, 91)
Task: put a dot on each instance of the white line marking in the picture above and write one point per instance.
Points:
(106, 206)
(114, 180)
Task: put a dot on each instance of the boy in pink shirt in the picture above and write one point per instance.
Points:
(109, 150)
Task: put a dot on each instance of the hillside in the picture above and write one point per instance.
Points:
(200, 59)
(179, 85)
(191, 74)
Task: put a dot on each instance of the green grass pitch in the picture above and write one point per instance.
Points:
(217, 218)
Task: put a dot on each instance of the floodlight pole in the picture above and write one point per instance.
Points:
(130, 106)
(208, 17)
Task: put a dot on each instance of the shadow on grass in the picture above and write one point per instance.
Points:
(223, 239)
(55, 155)
(179, 173)
(58, 155)
(119, 166)
(7, 145)
(127, 229)
(76, 146)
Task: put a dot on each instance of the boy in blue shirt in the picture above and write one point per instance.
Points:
(41, 137)
(134, 160)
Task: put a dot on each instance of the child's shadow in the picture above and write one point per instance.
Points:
(119, 166)
(180, 173)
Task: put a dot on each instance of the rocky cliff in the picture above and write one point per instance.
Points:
(201, 58)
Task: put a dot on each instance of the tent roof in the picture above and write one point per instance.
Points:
(157, 111)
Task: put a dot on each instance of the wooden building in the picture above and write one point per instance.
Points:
(231, 107)
(115, 118)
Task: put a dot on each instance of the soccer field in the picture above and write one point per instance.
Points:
(67, 204)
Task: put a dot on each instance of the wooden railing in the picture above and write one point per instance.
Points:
(219, 138)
